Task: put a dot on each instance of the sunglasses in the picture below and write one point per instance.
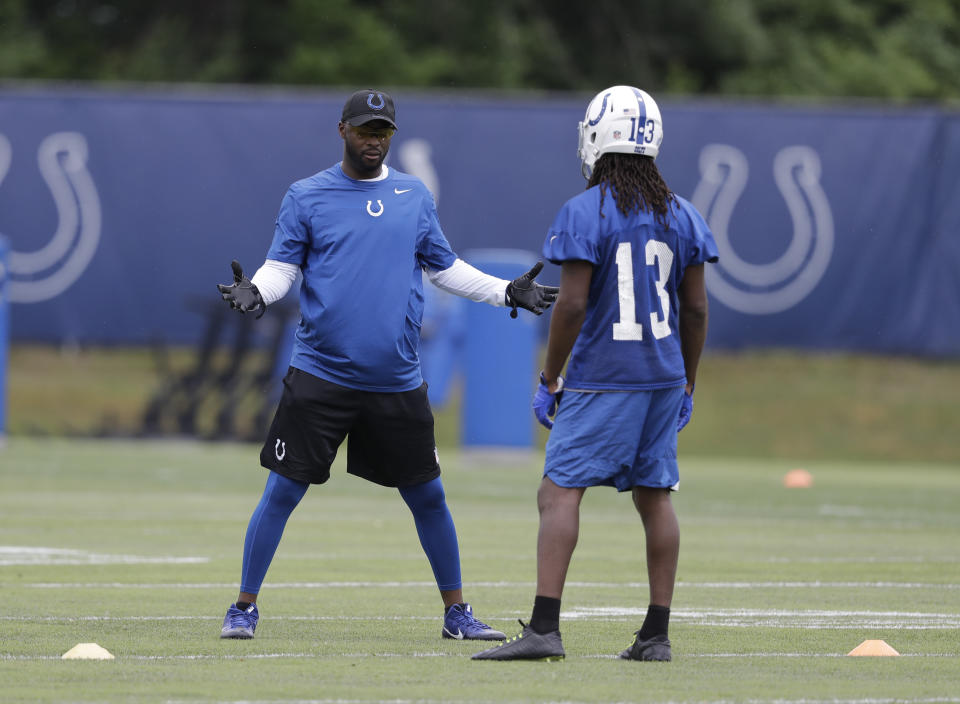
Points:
(365, 132)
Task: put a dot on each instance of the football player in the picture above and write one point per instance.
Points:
(629, 325)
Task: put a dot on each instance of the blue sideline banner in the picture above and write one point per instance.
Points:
(839, 228)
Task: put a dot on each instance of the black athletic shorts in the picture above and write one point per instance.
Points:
(390, 441)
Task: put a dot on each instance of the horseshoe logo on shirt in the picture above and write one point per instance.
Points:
(379, 212)
(280, 450)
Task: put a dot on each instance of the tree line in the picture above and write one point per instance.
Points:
(895, 50)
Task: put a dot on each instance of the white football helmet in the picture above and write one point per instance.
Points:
(620, 119)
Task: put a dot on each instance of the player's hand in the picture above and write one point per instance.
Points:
(686, 409)
(545, 403)
(526, 293)
(242, 295)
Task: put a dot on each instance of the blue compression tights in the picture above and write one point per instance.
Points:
(438, 536)
(269, 518)
(427, 503)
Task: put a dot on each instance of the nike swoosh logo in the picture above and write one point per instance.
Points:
(552, 239)
(458, 635)
(399, 191)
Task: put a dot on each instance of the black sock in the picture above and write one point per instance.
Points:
(447, 608)
(656, 623)
(243, 605)
(546, 614)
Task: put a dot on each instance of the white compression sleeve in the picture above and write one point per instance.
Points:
(467, 281)
(274, 279)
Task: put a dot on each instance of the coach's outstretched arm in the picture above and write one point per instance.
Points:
(464, 280)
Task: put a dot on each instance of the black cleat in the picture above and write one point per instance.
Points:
(527, 645)
(656, 649)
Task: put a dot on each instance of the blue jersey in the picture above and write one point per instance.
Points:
(630, 339)
(361, 246)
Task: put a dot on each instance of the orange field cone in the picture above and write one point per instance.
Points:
(873, 647)
(798, 479)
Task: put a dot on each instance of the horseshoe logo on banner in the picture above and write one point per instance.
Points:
(50, 270)
(763, 289)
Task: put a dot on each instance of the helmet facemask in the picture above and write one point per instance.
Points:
(585, 148)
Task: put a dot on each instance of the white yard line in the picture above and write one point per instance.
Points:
(812, 619)
(32, 555)
(815, 584)
(11, 555)
(780, 618)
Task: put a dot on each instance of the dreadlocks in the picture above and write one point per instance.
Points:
(635, 182)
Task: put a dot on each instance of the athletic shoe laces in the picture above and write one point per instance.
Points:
(523, 628)
(463, 618)
(238, 618)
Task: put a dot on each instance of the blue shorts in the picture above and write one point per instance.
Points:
(615, 438)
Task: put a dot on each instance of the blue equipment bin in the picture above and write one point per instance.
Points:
(499, 361)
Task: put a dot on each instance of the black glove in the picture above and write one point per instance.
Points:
(242, 294)
(527, 293)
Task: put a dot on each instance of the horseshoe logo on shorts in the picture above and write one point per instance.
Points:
(379, 212)
(280, 450)
(763, 289)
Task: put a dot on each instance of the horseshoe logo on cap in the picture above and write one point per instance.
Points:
(370, 101)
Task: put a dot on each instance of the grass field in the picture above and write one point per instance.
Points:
(136, 546)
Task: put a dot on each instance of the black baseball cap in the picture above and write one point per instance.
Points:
(367, 105)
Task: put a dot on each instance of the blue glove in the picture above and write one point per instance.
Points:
(686, 409)
(545, 403)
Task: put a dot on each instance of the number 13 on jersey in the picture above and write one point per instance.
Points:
(660, 257)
